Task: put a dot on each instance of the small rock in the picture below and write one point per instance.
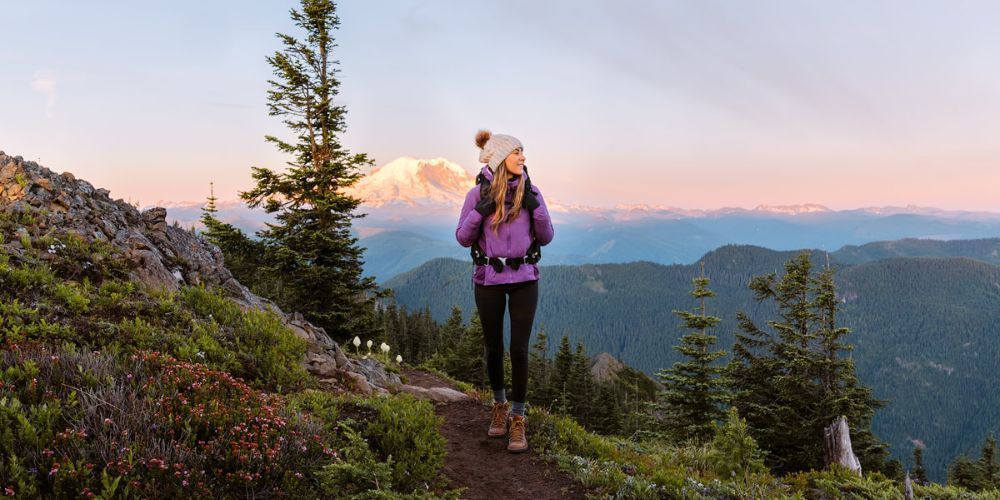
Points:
(359, 382)
(375, 372)
(327, 368)
(436, 394)
(446, 394)
(316, 357)
(299, 331)
(416, 391)
(155, 219)
(340, 357)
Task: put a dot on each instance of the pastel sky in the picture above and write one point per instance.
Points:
(693, 104)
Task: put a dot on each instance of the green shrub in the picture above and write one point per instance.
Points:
(113, 294)
(13, 317)
(359, 473)
(400, 429)
(563, 434)
(54, 333)
(323, 406)
(265, 349)
(614, 467)
(408, 431)
(24, 279)
(734, 451)
(71, 296)
(939, 492)
(196, 324)
(840, 482)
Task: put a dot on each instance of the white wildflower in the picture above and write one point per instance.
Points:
(384, 347)
(399, 359)
(357, 342)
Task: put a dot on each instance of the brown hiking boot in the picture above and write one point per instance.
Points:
(498, 424)
(518, 442)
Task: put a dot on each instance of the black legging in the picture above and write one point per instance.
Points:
(491, 301)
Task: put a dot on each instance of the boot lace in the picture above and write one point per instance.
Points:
(517, 429)
(499, 415)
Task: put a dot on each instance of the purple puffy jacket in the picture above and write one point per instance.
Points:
(512, 239)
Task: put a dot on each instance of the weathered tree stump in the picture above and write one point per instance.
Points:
(837, 445)
(907, 487)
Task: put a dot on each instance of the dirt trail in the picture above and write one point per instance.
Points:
(482, 464)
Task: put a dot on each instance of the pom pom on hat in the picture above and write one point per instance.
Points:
(481, 137)
(495, 147)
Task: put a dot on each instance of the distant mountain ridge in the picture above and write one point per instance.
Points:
(435, 182)
(985, 249)
(412, 208)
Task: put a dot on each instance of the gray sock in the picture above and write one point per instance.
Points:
(500, 396)
(517, 408)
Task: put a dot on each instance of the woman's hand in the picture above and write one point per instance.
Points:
(529, 201)
(486, 206)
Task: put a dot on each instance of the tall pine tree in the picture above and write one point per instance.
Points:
(309, 249)
(538, 371)
(580, 386)
(607, 412)
(792, 383)
(965, 473)
(559, 381)
(919, 472)
(843, 393)
(468, 359)
(694, 390)
(988, 465)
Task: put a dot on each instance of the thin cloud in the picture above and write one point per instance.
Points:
(44, 82)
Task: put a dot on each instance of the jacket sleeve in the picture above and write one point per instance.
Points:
(544, 232)
(469, 221)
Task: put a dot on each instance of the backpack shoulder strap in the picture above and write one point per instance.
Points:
(478, 254)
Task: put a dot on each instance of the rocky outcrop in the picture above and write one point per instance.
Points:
(158, 254)
(604, 367)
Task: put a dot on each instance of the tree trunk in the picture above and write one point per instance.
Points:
(908, 487)
(838, 446)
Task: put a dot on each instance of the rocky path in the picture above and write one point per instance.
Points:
(482, 465)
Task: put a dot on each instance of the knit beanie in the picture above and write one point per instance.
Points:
(495, 147)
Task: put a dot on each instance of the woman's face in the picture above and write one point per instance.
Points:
(515, 162)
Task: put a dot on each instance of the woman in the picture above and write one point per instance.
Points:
(504, 217)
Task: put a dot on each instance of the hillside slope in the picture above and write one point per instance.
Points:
(132, 365)
(925, 328)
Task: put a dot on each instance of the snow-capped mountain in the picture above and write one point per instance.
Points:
(808, 208)
(414, 182)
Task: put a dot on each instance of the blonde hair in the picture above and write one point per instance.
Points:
(498, 191)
